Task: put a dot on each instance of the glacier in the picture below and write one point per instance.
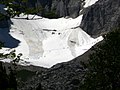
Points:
(45, 42)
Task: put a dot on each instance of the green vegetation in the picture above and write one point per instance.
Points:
(24, 75)
(103, 69)
(39, 87)
(10, 7)
(7, 81)
(15, 8)
(2, 17)
(1, 44)
(50, 14)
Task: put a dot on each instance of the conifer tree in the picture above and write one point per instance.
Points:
(103, 69)
(7, 81)
(3, 78)
(12, 79)
(16, 7)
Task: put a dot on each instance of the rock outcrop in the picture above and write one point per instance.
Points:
(67, 7)
(61, 8)
(101, 17)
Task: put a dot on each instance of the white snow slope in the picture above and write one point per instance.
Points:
(89, 2)
(46, 42)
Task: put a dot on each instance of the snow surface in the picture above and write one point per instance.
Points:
(46, 42)
(89, 2)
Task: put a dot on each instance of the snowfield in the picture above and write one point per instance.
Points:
(89, 2)
(46, 42)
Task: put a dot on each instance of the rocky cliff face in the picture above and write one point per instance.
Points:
(67, 7)
(61, 8)
(101, 17)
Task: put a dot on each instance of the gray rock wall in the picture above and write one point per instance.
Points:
(67, 7)
(101, 17)
(61, 8)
